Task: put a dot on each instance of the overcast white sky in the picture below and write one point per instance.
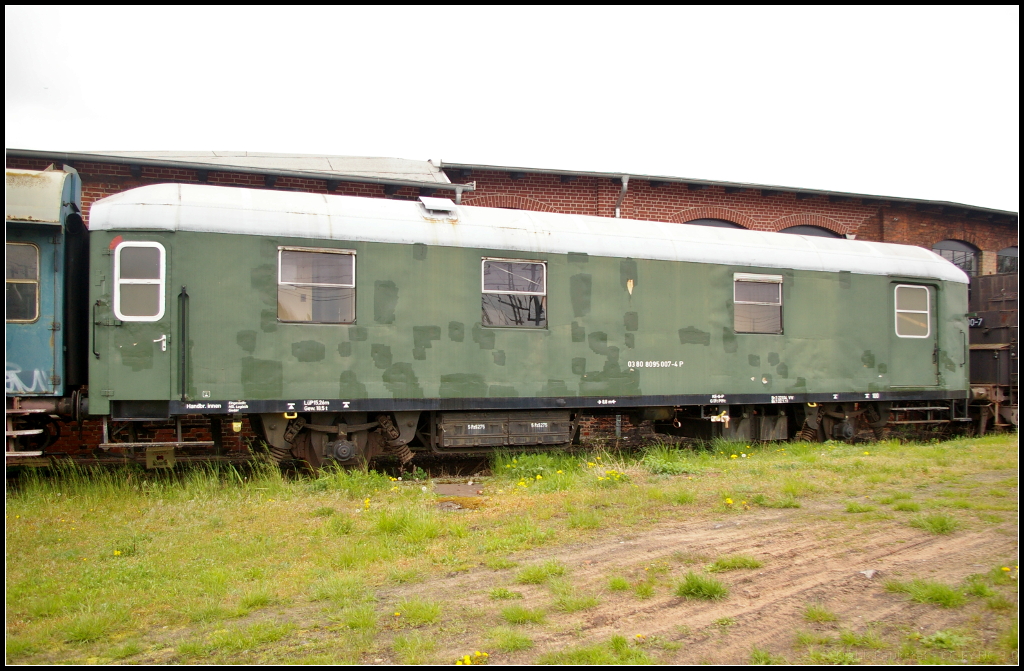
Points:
(914, 102)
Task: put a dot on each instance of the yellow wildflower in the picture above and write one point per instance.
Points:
(733, 457)
(728, 502)
(117, 552)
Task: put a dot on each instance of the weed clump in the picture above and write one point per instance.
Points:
(522, 615)
(505, 593)
(419, 612)
(506, 639)
(696, 586)
(618, 584)
(760, 657)
(938, 523)
(928, 591)
(818, 613)
(540, 573)
(947, 640)
(618, 650)
(733, 563)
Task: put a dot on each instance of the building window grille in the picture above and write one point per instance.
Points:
(1006, 260)
(960, 254)
(316, 286)
(22, 282)
(514, 293)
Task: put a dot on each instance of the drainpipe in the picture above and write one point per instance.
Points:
(622, 195)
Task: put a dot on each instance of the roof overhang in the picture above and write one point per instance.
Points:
(936, 206)
(330, 177)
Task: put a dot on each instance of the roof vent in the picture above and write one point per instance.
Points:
(438, 205)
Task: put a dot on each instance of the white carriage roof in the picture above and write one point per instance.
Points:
(34, 196)
(213, 209)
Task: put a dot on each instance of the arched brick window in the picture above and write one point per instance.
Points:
(811, 230)
(716, 223)
(1006, 261)
(961, 254)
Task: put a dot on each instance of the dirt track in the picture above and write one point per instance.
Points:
(803, 563)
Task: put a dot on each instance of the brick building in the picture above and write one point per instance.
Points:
(980, 240)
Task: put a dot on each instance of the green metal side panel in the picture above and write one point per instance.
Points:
(418, 333)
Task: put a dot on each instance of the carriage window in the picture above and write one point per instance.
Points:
(22, 282)
(757, 303)
(913, 307)
(139, 272)
(514, 293)
(316, 286)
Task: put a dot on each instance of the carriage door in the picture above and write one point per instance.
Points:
(140, 342)
(914, 353)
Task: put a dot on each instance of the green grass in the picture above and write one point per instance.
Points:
(867, 639)
(616, 651)
(928, 591)
(418, 612)
(89, 626)
(683, 497)
(760, 657)
(855, 507)
(644, 589)
(809, 638)
(833, 657)
(201, 547)
(938, 523)
(414, 647)
(506, 639)
(907, 507)
(587, 519)
(618, 584)
(521, 615)
(782, 502)
(733, 563)
(362, 617)
(500, 563)
(697, 586)
(947, 640)
(817, 613)
(540, 573)
(570, 599)
(504, 593)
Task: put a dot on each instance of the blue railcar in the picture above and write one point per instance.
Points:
(45, 237)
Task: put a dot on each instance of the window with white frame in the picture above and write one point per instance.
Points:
(514, 293)
(757, 303)
(22, 282)
(913, 311)
(316, 286)
(140, 270)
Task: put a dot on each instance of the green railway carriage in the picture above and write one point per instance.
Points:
(354, 326)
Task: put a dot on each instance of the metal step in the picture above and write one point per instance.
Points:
(197, 443)
(26, 411)
(26, 453)
(24, 432)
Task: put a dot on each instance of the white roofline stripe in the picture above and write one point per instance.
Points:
(216, 209)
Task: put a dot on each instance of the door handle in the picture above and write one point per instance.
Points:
(163, 342)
